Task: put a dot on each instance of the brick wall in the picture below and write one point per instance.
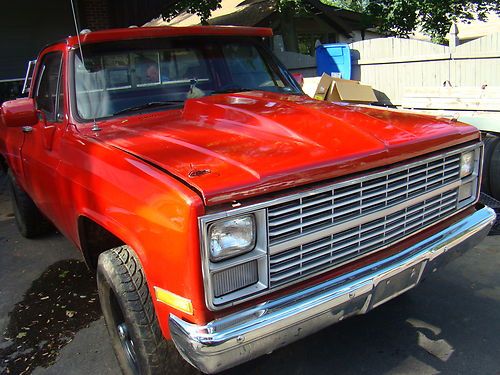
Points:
(104, 14)
(94, 14)
(25, 27)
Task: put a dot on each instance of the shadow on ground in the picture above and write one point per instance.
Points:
(59, 303)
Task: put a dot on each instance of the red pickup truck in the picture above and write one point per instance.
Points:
(226, 213)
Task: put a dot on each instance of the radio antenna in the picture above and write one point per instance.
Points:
(76, 29)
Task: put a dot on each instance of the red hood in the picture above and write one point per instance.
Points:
(234, 146)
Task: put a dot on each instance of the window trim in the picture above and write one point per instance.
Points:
(50, 117)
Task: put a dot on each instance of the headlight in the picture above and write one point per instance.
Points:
(467, 164)
(231, 237)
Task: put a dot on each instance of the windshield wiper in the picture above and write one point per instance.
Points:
(233, 89)
(148, 105)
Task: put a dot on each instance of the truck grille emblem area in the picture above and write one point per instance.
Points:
(326, 229)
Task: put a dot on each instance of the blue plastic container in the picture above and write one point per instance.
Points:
(334, 59)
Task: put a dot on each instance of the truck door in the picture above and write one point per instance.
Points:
(40, 150)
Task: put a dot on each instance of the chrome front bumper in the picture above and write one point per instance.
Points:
(250, 333)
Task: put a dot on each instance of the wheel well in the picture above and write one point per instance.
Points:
(485, 133)
(3, 164)
(94, 240)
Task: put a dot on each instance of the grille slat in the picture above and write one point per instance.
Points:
(273, 233)
(386, 226)
(282, 228)
(278, 212)
(431, 215)
(345, 203)
(343, 256)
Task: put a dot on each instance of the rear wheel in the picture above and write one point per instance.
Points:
(130, 317)
(491, 168)
(30, 221)
(495, 171)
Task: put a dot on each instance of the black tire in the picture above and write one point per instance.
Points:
(495, 171)
(3, 166)
(488, 143)
(30, 221)
(130, 317)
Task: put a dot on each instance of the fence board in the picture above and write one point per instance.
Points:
(390, 65)
(452, 98)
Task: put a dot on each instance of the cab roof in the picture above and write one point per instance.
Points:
(166, 31)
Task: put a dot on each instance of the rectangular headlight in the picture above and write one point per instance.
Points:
(231, 237)
(467, 164)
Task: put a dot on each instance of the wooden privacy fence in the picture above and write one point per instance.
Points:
(392, 65)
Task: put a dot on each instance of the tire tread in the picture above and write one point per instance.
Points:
(132, 285)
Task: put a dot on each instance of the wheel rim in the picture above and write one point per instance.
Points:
(128, 346)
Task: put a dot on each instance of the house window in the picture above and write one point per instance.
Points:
(307, 41)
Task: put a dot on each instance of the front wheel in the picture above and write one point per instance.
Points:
(130, 317)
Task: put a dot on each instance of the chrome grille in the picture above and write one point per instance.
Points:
(343, 203)
(358, 217)
(344, 246)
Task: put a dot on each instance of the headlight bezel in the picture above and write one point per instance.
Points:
(472, 179)
(257, 253)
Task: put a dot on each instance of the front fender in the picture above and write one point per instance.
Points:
(142, 206)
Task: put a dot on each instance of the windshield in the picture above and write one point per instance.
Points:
(146, 74)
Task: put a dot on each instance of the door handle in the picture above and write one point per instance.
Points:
(27, 129)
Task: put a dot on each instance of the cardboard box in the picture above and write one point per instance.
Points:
(343, 90)
(323, 87)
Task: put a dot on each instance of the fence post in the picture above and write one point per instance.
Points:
(454, 38)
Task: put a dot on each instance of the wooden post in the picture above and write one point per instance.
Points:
(454, 40)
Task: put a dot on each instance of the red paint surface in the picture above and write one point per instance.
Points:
(252, 143)
(168, 31)
(3, 133)
(20, 112)
(259, 142)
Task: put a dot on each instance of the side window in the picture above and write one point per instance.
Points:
(47, 94)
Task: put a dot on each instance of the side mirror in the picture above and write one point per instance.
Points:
(299, 77)
(19, 112)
